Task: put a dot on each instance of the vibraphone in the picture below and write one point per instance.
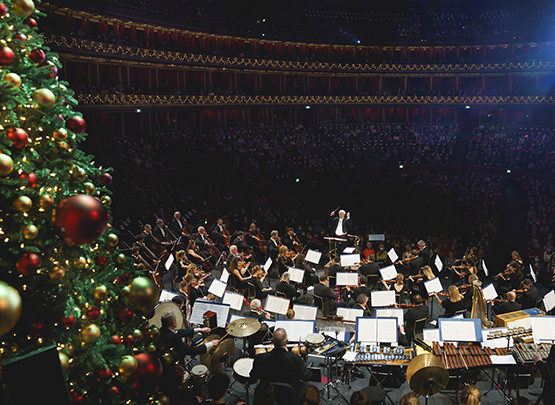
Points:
(465, 356)
(524, 352)
(374, 354)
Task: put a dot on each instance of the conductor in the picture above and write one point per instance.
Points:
(340, 227)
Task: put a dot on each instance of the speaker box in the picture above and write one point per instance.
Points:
(35, 377)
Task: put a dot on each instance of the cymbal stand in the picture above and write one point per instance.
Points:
(329, 385)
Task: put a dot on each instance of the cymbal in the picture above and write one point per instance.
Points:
(219, 357)
(205, 358)
(426, 374)
(243, 327)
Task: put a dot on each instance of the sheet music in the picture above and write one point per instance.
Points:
(431, 335)
(532, 274)
(166, 295)
(502, 359)
(234, 300)
(386, 330)
(296, 275)
(376, 237)
(201, 306)
(490, 293)
(543, 329)
(462, 330)
(433, 285)
(486, 271)
(346, 279)
(366, 330)
(348, 250)
(276, 305)
(391, 313)
(382, 298)
(169, 262)
(217, 288)
(350, 260)
(268, 264)
(438, 263)
(389, 272)
(524, 322)
(549, 300)
(350, 314)
(392, 254)
(305, 312)
(296, 330)
(225, 275)
(349, 356)
(313, 256)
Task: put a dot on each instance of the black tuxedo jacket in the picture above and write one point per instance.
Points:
(346, 225)
(414, 313)
(327, 294)
(286, 288)
(272, 250)
(506, 307)
(282, 366)
(158, 234)
(174, 340)
(370, 268)
(529, 298)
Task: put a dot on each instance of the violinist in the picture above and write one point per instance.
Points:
(237, 270)
(529, 297)
(334, 269)
(512, 275)
(285, 287)
(258, 275)
(453, 303)
(272, 247)
(362, 303)
(510, 305)
(363, 288)
(418, 281)
(419, 311)
(370, 267)
(309, 272)
(192, 254)
(328, 296)
(188, 290)
(400, 287)
(182, 262)
(284, 260)
(423, 251)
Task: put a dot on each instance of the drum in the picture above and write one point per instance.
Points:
(164, 307)
(315, 340)
(242, 371)
(199, 374)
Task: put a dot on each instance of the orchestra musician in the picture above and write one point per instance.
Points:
(328, 296)
(418, 280)
(161, 233)
(240, 242)
(290, 239)
(192, 254)
(363, 288)
(453, 303)
(334, 269)
(255, 311)
(272, 247)
(509, 306)
(472, 278)
(256, 242)
(419, 311)
(340, 227)
(400, 288)
(203, 241)
(237, 270)
(146, 238)
(529, 297)
(285, 287)
(369, 268)
(424, 251)
(182, 262)
(309, 272)
(284, 260)
(258, 276)
(178, 224)
(512, 275)
(547, 370)
(362, 303)
(220, 234)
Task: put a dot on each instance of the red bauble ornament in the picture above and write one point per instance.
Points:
(77, 398)
(125, 314)
(114, 391)
(116, 340)
(105, 375)
(69, 321)
(105, 179)
(37, 55)
(93, 314)
(36, 326)
(53, 70)
(125, 277)
(7, 56)
(30, 22)
(18, 137)
(149, 368)
(76, 124)
(101, 261)
(3, 9)
(32, 180)
(20, 37)
(80, 219)
(28, 264)
(129, 340)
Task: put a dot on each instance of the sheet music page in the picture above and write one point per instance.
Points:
(486, 271)
(348, 250)
(217, 288)
(201, 306)
(296, 330)
(349, 356)
(276, 305)
(376, 237)
(346, 279)
(166, 295)
(382, 298)
(234, 300)
(366, 330)
(169, 262)
(391, 313)
(313, 256)
(543, 329)
(350, 260)
(296, 275)
(549, 300)
(433, 285)
(388, 272)
(502, 359)
(490, 293)
(458, 331)
(533, 274)
(305, 312)
(392, 254)
(386, 329)
(225, 275)
(350, 314)
(431, 335)
(268, 264)
(438, 263)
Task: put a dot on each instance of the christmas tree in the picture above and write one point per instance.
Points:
(63, 279)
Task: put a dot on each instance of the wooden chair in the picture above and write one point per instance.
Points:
(461, 311)
(251, 291)
(419, 325)
(319, 302)
(281, 294)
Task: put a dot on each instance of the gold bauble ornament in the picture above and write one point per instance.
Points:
(125, 290)
(80, 263)
(56, 273)
(112, 240)
(46, 201)
(89, 188)
(69, 349)
(60, 134)
(10, 307)
(164, 400)
(14, 79)
(6, 164)
(63, 145)
(23, 203)
(138, 335)
(167, 358)
(143, 295)
(79, 174)
(154, 332)
(30, 231)
(151, 348)
(106, 200)
(64, 361)
(128, 365)
(100, 292)
(44, 98)
(90, 333)
(120, 259)
(23, 8)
